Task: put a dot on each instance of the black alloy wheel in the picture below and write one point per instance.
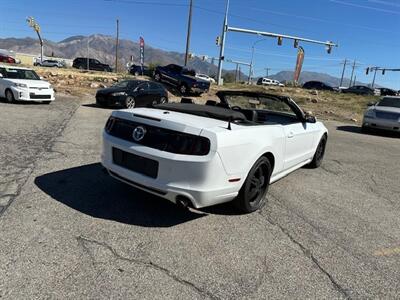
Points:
(10, 96)
(251, 196)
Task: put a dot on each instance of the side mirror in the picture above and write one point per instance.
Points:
(309, 118)
(371, 103)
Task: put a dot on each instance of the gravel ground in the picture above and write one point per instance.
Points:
(69, 231)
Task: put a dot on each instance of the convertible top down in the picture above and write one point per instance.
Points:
(201, 155)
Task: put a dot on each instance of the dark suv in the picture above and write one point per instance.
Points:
(94, 64)
(317, 85)
(137, 70)
(182, 78)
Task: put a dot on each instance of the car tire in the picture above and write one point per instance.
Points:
(130, 102)
(9, 96)
(81, 68)
(365, 129)
(251, 196)
(183, 89)
(319, 153)
(157, 77)
(136, 73)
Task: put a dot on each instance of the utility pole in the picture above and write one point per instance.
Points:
(236, 72)
(189, 29)
(266, 71)
(352, 72)
(87, 55)
(222, 45)
(344, 69)
(116, 48)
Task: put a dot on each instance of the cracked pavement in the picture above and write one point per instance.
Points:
(69, 231)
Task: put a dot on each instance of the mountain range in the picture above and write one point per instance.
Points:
(102, 47)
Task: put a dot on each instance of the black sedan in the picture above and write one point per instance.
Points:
(132, 93)
(359, 90)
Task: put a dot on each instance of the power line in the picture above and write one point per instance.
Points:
(366, 7)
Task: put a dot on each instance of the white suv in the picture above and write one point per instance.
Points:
(267, 81)
(22, 84)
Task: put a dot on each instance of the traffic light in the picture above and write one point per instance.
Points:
(218, 41)
(366, 71)
(280, 40)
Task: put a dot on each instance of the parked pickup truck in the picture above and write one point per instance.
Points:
(182, 78)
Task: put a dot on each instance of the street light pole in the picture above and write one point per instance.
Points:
(189, 29)
(222, 45)
(32, 23)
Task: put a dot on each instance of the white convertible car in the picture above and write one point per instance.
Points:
(200, 155)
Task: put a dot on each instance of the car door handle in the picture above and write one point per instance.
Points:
(290, 134)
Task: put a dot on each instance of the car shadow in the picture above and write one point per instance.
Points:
(90, 190)
(374, 132)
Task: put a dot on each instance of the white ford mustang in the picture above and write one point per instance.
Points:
(201, 155)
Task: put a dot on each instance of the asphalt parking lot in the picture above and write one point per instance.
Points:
(69, 231)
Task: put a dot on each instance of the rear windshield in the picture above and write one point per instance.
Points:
(20, 74)
(390, 102)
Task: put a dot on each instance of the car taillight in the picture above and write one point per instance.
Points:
(109, 124)
(188, 144)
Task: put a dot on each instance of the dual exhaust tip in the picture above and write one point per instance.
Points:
(183, 202)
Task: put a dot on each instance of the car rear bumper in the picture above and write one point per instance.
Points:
(23, 94)
(391, 125)
(202, 180)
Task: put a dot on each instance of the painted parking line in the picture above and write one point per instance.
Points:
(387, 252)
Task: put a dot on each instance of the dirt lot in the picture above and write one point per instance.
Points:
(324, 104)
(69, 231)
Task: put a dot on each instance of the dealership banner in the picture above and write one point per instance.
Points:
(299, 64)
(141, 44)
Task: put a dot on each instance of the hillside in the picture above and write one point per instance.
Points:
(102, 47)
(305, 76)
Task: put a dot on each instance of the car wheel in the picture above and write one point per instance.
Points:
(319, 153)
(81, 68)
(136, 73)
(130, 102)
(365, 129)
(251, 196)
(157, 77)
(183, 89)
(10, 96)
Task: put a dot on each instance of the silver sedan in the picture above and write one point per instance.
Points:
(385, 114)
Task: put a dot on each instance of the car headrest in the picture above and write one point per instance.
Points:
(211, 102)
(250, 114)
(186, 100)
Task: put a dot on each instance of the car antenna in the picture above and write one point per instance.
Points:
(229, 123)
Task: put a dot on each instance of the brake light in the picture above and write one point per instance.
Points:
(109, 124)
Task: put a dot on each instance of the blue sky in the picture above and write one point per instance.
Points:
(366, 30)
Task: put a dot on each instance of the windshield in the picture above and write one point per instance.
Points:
(20, 74)
(259, 102)
(390, 102)
(127, 83)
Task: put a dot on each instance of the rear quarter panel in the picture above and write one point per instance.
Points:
(242, 146)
